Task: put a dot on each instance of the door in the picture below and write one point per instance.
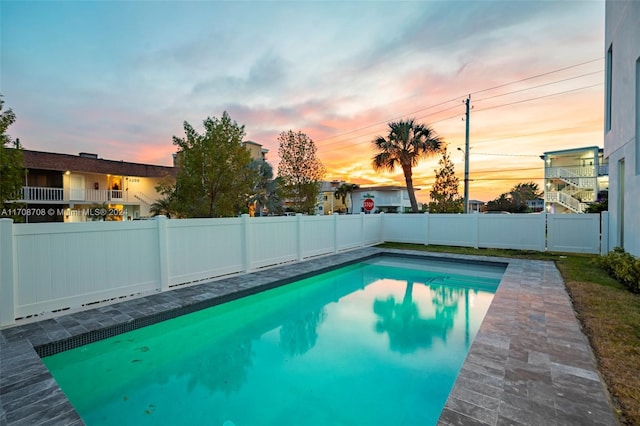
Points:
(76, 186)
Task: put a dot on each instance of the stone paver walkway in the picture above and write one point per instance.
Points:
(530, 363)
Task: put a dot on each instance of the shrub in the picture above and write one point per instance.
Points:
(623, 267)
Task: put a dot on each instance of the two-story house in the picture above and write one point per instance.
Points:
(386, 199)
(77, 188)
(256, 150)
(573, 178)
(622, 121)
(327, 201)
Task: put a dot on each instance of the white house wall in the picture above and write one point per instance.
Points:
(144, 188)
(622, 36)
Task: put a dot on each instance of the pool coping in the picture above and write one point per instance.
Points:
(529, 364)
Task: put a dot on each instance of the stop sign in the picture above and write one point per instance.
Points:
(368, 204)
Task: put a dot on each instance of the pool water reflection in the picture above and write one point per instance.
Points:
(378, 342)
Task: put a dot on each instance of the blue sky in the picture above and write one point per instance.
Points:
(118, 78)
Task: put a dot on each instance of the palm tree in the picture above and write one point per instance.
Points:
(345, 190)
(163, 207)
(407, 143)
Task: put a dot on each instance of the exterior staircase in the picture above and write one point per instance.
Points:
(579, 181)
(143, 198)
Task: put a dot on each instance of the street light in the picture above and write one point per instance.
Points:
(466, 179)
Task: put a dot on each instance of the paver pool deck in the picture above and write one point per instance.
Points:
(530, 363)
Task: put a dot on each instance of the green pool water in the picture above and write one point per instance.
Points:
(375, 343)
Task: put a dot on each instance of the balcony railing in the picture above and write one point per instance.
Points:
(570, 172)
(36, 193)
(96, 195)
(565, 200)
(603, 170)
(51, 195)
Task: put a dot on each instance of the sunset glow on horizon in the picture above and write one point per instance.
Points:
(120, 78)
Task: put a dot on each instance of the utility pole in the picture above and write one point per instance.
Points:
(466, 157)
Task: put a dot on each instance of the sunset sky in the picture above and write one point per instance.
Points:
(119, 78)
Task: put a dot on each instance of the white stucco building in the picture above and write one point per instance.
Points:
(573, 179)
(386, 199)
(622, 122)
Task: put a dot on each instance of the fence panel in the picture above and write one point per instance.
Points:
(349, 231)
(573, 233)
(272, 240)
(372, 229)
(512, 231)
(52, 266)
(453, 230)
(405, 228)
(62, 265)
(317, 235)
(198, 249)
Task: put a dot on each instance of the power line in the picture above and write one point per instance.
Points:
(540, 97)
(538, 86)
(458, 98)
(537, 76)
(393, 119)
(506, 155)
(511, 178)
(541, 169)
(368, 135)
(529, 134)
(457, 115)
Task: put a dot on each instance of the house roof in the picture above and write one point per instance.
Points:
(573, 151)
(89, 163)
(384, 188)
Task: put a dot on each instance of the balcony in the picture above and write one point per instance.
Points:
(31, 194)
(43, 194)
(603, 170)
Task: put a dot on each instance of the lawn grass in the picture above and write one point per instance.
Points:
(609, 314)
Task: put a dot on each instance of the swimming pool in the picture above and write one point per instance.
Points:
(378, 342)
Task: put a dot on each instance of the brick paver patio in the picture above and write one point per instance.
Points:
(530, 363)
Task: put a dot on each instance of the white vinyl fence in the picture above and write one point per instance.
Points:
(46, 267)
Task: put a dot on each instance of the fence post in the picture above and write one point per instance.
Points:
(604, 233)
(7, 290)
(476, 229)
(362, 229)
(544, 240)
(246, 249)
(299, 236)
(335, 232)
(163, 252)
(426, 228)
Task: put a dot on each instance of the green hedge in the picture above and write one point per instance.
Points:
(623, 267)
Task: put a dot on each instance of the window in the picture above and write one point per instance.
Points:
(608, 89)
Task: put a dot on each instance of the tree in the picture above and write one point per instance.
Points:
(167, 205)
(301, 171)
(408, 142)
(265, 192)
(345, 191)
(444, 194)
(515, 201)
(214, 178)
(11, 159)
(601, 204)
